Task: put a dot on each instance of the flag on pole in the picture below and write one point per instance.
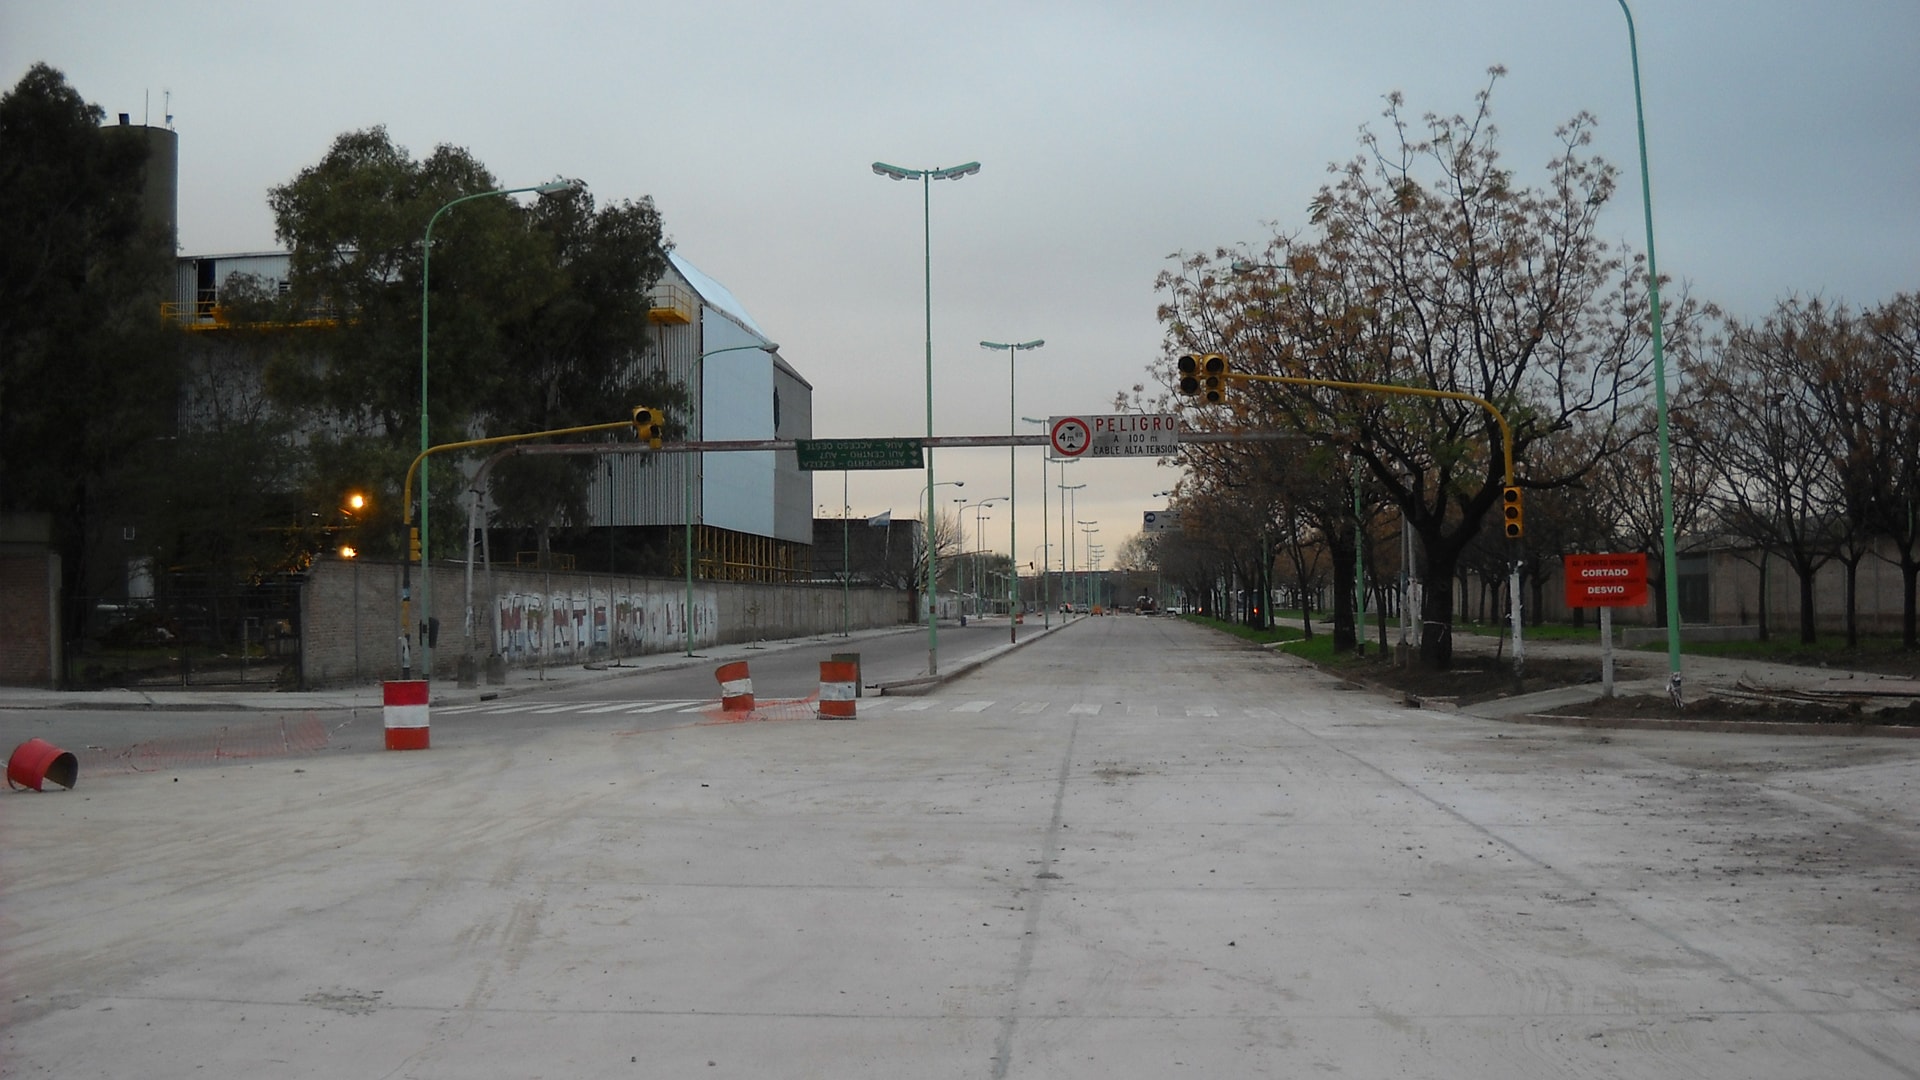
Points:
(885, 517)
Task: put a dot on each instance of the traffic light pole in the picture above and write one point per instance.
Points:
(1510, 495)
(406, 524)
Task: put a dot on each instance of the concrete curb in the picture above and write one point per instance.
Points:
(926, 683)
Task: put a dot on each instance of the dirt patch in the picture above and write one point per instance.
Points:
(1476, 679)
(1744, 710)
(1470, 680)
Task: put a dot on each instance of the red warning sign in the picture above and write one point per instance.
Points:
(1605, 580)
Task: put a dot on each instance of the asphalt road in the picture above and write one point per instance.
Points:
(1134, 848)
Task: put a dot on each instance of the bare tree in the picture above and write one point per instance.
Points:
(1429, 268)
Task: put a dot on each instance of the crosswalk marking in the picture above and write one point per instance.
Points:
(875, 704)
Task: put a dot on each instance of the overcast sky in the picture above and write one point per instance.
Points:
(1784, 140)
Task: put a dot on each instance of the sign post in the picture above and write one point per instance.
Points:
(1606, 582)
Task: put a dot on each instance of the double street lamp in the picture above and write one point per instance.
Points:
(1013, 505)
(697, 398)
(426, 442)
(926, 177)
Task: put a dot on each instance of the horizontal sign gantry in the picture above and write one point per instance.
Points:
(837, 455)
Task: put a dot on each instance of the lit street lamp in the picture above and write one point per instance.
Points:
(426, 443)
(926, 177)
(697, 393)
(1013, 485)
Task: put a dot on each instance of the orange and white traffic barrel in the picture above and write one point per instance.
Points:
(736, 687)
(406, 714)
(839, 679)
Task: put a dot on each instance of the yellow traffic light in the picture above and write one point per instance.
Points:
(413, 545)
(1203, 375)
(649, 424)
(1511, 512)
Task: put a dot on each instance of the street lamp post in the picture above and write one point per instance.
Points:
(1089, 534)
(696, 393)
(1046, 545)
(426, 579)
(1670, 568)
(1069, 503)
(926, 497)
(1013, 504)
(926, 178)
(980, 542)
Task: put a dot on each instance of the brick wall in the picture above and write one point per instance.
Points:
(29, 594)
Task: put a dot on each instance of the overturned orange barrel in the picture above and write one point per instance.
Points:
(736, 687)
(839, 680)
(405, 713)
(36, 761)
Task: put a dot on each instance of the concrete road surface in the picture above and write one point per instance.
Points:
(1135, 848)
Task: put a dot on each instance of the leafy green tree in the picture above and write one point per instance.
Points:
(88, 372)
(537, 314)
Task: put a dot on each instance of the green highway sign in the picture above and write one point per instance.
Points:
(834, 455)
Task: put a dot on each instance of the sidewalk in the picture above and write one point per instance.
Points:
(518, 681)
(1639, 673)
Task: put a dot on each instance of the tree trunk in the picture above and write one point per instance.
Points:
(1853, 602)
(1436, 613)
(1345, 638)
(1806, 573)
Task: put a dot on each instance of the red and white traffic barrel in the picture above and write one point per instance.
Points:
(405, 711)
(736, 687)
(839, 681)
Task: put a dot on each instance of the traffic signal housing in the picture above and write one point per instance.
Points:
(649, 424)
(413, 544)
(1512, 512)
(1204, 376)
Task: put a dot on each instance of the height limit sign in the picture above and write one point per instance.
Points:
(1117, 435)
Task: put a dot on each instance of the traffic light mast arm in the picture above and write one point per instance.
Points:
(406, 492)
(1506, 433)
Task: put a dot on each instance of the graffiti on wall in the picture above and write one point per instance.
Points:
(583, 625)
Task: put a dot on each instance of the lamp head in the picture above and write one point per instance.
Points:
(552, 186)
(894, 172)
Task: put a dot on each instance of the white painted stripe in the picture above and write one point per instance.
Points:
(1084, 708)
(448, 710)
(918, 705)
(615, 707)
(406, 716)
(700, 708)
(974, 706)
(1202, 710)
(507, 710)
(664, 706)
(1029, 708)
(571, 706)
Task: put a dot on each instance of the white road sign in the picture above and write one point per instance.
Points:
(1160, 521)
(1118, 435)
